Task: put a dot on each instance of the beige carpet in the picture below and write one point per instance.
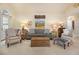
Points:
(25, 49)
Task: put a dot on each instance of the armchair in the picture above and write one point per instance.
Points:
(12, 35)
(66, 38)
(67, 35)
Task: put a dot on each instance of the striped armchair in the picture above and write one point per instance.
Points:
(12, 36)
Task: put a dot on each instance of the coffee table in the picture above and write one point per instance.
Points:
(40, 42)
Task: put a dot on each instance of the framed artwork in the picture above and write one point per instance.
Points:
(39, 21)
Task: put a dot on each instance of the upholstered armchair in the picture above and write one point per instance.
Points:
(67, 32)
(66, 38)
(67, 35)
(12, 36)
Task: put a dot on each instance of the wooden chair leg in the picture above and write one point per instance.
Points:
(20, 41)
(7, 45)
(64, 46)
(68, 44)
(54, 42)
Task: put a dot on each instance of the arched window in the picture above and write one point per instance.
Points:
(70, 22)
(4, 21)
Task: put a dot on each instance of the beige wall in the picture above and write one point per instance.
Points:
(50, 19)
(11, 13)
(21, 14)
(74, 12)
(18, 14)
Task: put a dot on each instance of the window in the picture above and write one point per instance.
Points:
(5, 20)
(5, 23)
(4, 17)
(70, 22)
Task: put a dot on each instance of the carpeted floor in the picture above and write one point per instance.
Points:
(25, 49)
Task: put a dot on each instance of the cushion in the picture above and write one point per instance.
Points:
(66, 32)
(14, 37)
(11, 32)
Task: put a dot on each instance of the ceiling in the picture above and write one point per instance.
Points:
(51, 8)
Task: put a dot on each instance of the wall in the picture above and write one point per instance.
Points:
(11, 19)
(20, 15)
(77, 26)
(50, 19)
(74, 12)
